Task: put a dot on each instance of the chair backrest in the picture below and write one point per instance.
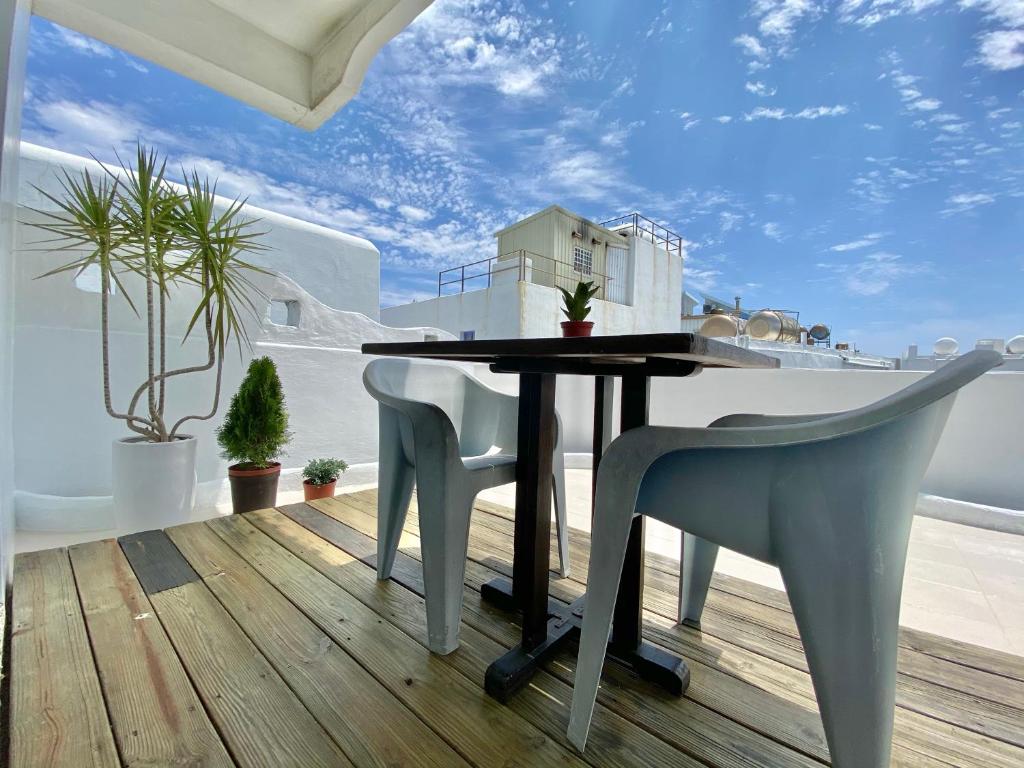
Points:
(467, 402)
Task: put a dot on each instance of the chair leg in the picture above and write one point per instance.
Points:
(395, 476)
(844, 586)
(444, 542)
(561, 524)
(608, 552)
(696, 564)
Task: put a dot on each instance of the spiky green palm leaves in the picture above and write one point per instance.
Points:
(133, 221)
(577, 304)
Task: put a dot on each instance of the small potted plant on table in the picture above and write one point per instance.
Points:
(253, 434)
(576, 309)
(321, 476)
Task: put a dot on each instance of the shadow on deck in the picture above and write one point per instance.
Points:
(265, 639)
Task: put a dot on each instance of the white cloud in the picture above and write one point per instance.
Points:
(872, 127)
(853, 245)
(874, 274)
(966, 201)
(925, 105)
(773, 231)
(689, 120)
(807, 113)
(82, 44)
(412, 213)
(723, 119)
(751, 46)
(1003, 49)
(760, 89)
(779, 18)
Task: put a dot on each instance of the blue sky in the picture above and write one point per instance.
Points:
(861, 161)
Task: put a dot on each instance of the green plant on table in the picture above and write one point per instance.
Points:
(323, 471)
(577, 304)
(255, 429)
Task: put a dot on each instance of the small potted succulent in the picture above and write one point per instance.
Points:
(576, 309)
(321, 475)
(253, 434)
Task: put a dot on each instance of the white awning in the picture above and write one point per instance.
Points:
(299, 60)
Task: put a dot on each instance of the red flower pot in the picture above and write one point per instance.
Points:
(577, 328)
(313, 492)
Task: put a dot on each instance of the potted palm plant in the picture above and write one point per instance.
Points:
(167, 242)
(253, 434)
(576, 308)
(321, 477)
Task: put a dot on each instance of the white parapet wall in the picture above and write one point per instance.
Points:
(975, 477)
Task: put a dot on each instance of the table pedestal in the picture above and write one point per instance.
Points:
(548, 624)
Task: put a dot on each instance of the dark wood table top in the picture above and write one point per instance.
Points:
(651, 354)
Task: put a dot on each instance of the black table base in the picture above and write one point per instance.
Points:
(506, 675)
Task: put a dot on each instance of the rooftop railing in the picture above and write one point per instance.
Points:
(516, 266)
(639, 225)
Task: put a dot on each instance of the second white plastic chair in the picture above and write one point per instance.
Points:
(827, 498)
(453, 436)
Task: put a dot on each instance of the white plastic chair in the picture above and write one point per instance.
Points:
(455, 437)
(829, 499)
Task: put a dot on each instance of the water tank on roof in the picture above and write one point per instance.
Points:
(721, 325)
(772, 325)
(946, 346)
(1015, 346)
(819, 332)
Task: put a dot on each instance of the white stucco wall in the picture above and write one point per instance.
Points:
(14, 22)
(341, 270)
(979, 457)
(492, 312)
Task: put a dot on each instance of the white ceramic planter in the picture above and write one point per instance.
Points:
(154, 483)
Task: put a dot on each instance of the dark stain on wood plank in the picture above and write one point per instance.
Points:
(156, 561)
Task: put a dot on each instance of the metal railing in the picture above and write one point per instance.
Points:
(639, 225)
(516, 266)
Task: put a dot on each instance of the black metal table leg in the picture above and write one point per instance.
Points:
(547, 625)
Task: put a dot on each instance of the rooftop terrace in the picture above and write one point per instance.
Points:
(265, 639)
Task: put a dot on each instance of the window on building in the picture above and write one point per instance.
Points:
(284, 312)
(468, 335)
(582, 260)
(89, 280)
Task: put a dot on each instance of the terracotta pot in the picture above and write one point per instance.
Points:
(253, 488)
(576, 328)
(324, 491)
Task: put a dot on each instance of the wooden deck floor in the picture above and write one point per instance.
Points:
(265, 639)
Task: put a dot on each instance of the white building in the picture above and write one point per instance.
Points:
(636, 264)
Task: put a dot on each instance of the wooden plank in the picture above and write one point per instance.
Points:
(474, 724)
(691, 728)
(966, 667)
(57, 715)
(156, 562)
(156, 715)
(372, 726)
(772, 632)
(259, 718)
(919, 733)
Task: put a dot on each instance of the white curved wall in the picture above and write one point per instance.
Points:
(341, 270)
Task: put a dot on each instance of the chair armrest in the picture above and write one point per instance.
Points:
(762, 420)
